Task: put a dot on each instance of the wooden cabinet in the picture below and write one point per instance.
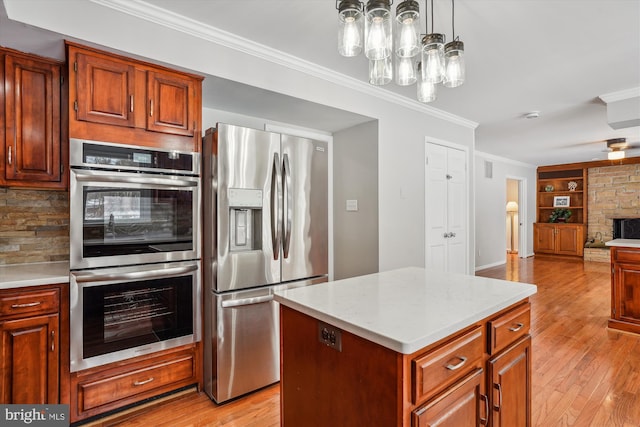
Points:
(625, 289)
(470, 378)
(33, 131)
(559, 239)
(105, 388)
(30, 342)
(563, 186)
(118, 99)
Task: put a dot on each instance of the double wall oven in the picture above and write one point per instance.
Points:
(135, 251)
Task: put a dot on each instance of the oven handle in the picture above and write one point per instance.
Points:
(97, 277)
(98, 176)
(246, 301)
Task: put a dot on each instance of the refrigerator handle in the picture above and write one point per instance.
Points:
(276, 201)
(287, 205)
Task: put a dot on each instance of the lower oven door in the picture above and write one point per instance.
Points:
(120, 313)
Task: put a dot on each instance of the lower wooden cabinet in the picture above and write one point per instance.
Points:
(625, 289)
(510, 382)
(558, 239)
(98, 390)
(30, 345)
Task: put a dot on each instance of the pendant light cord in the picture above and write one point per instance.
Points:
(453, 21)
(432, 16)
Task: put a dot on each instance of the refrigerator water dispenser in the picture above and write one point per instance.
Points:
(245, 217)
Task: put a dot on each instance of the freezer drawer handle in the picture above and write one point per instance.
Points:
(246, 301)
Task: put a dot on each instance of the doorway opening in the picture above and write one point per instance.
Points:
(514, 217)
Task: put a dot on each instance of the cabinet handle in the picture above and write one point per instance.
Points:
(25, 305)
(451, 367)
(139, 383)
(517, 327)
(9, 156)
(131, 103)
(151, 107)
(53, 341)
(485, 421)
(499, 405)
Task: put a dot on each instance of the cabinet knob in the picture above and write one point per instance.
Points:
(9, 156)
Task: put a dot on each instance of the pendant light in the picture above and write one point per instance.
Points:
(433, 54)
(454, 57)
(380, 71)
(427, 91)
(377, 30)
(351, 24)
(407, 29)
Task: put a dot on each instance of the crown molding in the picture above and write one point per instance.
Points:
(143, 10)
(621, 95)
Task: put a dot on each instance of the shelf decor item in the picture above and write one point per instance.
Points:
(561, 201)
(560, 215)
(572, 185)
(548, 188)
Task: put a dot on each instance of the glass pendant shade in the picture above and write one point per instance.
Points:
(407, 31)
(433, 58)
(380, 71)
(405, 71)
(350, 28)
(454, 64)
(378, 40)
(427, 91)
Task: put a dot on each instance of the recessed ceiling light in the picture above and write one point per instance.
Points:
(532, 115)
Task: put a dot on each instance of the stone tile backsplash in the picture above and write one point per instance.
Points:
(34, 226)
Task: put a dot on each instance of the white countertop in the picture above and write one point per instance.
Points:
(407, 309)
(627, 243)
(36, 274)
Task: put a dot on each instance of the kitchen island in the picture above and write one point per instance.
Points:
(408, 347)
(625, 285)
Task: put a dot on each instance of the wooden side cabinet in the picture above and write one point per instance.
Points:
(30, 343)
(118, 99)
(625, 289)
(558, 239)
(33, 135)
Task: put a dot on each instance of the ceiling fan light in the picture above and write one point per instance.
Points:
(407, 31)
(615, 155)
(377, 30)
(350, 28)
(454, 74)
(433, 57)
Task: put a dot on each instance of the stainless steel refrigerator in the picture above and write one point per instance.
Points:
(265, 228)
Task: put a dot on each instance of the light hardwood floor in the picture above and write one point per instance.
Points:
(583, 374)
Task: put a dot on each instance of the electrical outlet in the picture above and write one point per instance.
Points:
(330, 336)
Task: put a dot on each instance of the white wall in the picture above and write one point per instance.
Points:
(403, 125)
(490, 202)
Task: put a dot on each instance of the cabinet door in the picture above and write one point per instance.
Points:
(29, 351)
(544, 238)
(171, 103)
(626, 293)
(569, 240)
(105, 89)
(32, 105)
(461, 405)
(510, 375)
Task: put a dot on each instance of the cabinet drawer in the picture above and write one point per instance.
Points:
(29, 303)
(107, 390)
(441, 367)
(626, 255)
(510, 326)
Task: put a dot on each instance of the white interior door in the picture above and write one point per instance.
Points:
(446, 213)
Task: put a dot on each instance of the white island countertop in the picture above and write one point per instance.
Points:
(36, 274)
(626, 243)
(406, 309)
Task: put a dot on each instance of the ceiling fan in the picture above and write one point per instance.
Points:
(616, 148)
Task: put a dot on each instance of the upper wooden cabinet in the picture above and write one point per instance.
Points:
(33, 135)
(118, 99)
(562, 186)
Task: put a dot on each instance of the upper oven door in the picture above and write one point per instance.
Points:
(120, 218)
